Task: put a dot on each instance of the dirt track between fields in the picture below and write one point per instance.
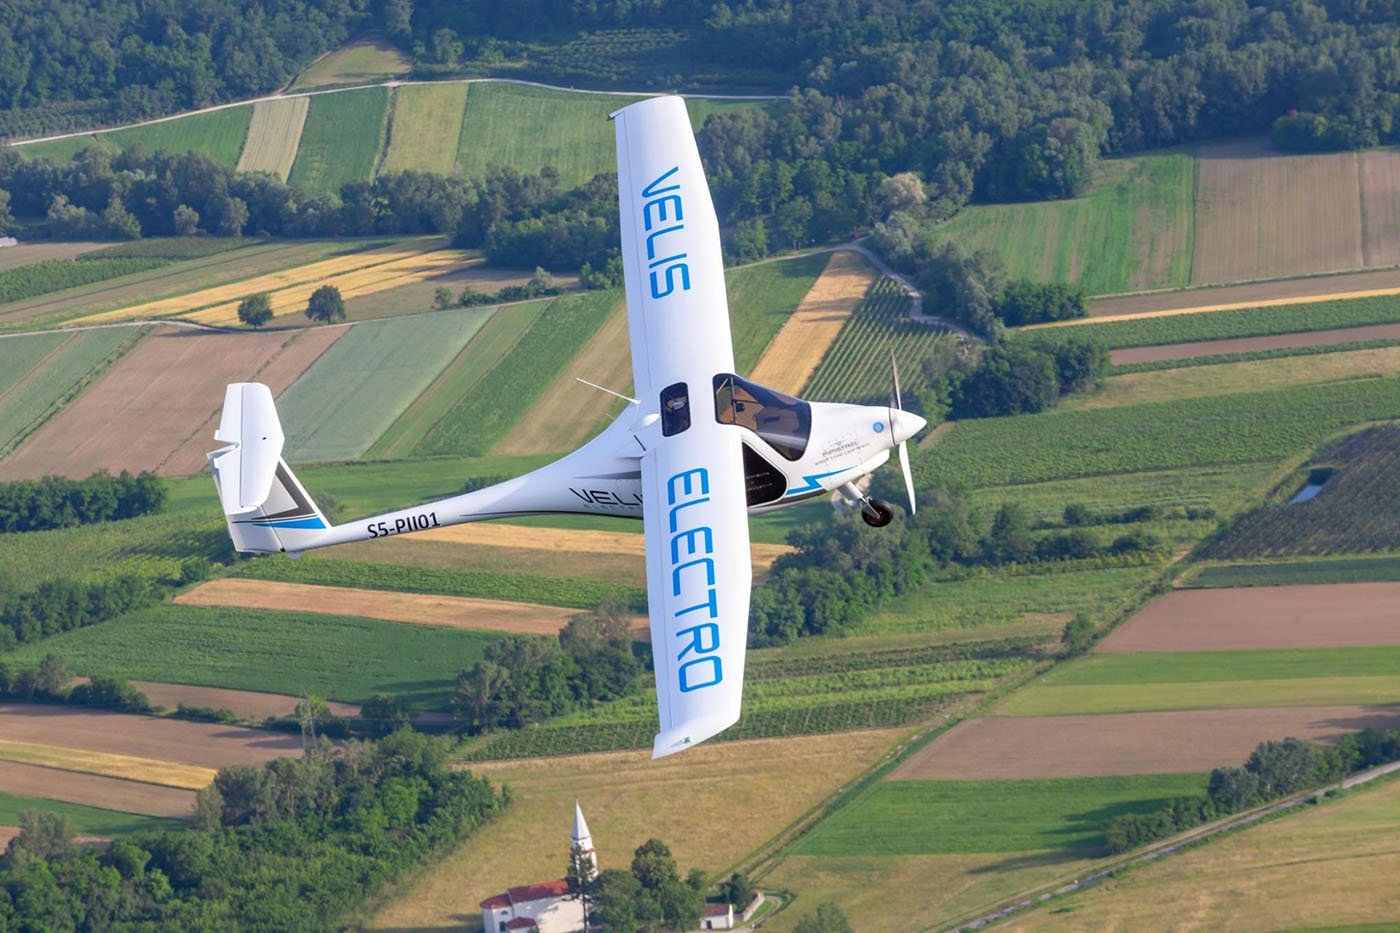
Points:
(95, 791)
(1318, 616)
(209, 745)
(1316, 338)
(1181, 741)
(1250, 295)
(490, 615)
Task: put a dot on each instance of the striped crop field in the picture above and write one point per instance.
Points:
(1132, 231)
(353, 283)
(219, 134)
(273, 136)
(342, 139)
(54, 374)
(793, 355)
(312, 274)
(110, 764)
(426, 126)
(857, 367)
(529, 127)
(480, 419)
(762, 298)
(358, 387)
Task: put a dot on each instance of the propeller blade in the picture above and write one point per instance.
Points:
(908, 474)
(894, 368)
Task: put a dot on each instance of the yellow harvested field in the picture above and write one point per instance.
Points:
(426, 124)
(1262, 215)
(1230, 378)
(274, 133)
(799, 346)
(1380, 198)
(570, 541)
(713, 806)
(490, 615)
(567, 412)
(315, 273)
(127, 767)
(1332, 866)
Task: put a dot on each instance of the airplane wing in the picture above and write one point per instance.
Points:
(693, 500)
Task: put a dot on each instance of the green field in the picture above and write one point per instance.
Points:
(513, 587)
(357, 63)
(1222, 325)
(1244, 428)
(18, 355)
(55, 275)
(336, 657)
(1238, 694)
(856, 367)
(986, 603)
(426, 125)
(1133, 231)
(218, 134)
(503, 395)
(30, 402)
(356, 389)
(87, 821)
(342, 139)
(761, 298)
(1344, 570)
(957, 817)
(1211, 359)
(491, 343)
(1181, 667)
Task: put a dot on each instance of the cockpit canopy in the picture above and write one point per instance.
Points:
(784, 422)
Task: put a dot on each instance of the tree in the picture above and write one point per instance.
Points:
(738, 890)
(326, 305)
(442, 298)
(1010, 538)
(827, 918)
(43, 835)
(52, 675)
(615, 905)
(1078, 634)
(384, 713)
(6, 217)
(582, 879)
(186, 220)
(255, 310)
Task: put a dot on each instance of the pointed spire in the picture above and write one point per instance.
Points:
(582, 838)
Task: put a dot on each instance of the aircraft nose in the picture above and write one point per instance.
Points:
(904, 425)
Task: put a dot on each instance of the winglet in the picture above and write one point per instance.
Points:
(679, 738)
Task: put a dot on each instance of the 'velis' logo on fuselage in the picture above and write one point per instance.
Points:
(663, 214)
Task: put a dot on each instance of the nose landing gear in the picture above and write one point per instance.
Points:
(877, 513)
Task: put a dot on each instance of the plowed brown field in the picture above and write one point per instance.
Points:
(156, 400)
(248, 704)
(1323, 616)
(799, 346)
(1380, 206)
(1002, 748)
(208, 745)
(1316, 338)
(1261, 215)
(96, 791)
(452, 611)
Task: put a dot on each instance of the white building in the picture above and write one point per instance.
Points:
(545, 906)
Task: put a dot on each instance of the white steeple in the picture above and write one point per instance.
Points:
(582, 838)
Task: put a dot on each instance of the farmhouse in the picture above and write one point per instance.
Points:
(544, 906)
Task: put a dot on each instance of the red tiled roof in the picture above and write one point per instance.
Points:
(522, 923)
(495, 902)
(716, 910)
(538, 891)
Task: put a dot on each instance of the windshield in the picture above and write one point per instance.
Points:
(781, 420)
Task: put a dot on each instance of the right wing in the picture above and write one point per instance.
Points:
(694, 505)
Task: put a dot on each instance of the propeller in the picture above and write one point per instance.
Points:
(896, 407)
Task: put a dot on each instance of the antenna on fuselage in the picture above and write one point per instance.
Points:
(625, 398)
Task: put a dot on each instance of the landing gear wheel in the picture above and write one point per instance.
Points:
(877, 513)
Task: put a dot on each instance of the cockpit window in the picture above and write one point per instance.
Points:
(781, 420)
(675, 409)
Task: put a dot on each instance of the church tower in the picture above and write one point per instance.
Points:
(582, 838)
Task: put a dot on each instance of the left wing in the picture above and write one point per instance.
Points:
(694, 505)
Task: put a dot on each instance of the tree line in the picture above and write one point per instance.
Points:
(58, 502)
(298, 844)
(1274, 770)
(74, 64)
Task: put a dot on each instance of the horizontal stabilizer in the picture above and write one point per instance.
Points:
(247, 467)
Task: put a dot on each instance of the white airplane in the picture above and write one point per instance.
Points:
(695, 452)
